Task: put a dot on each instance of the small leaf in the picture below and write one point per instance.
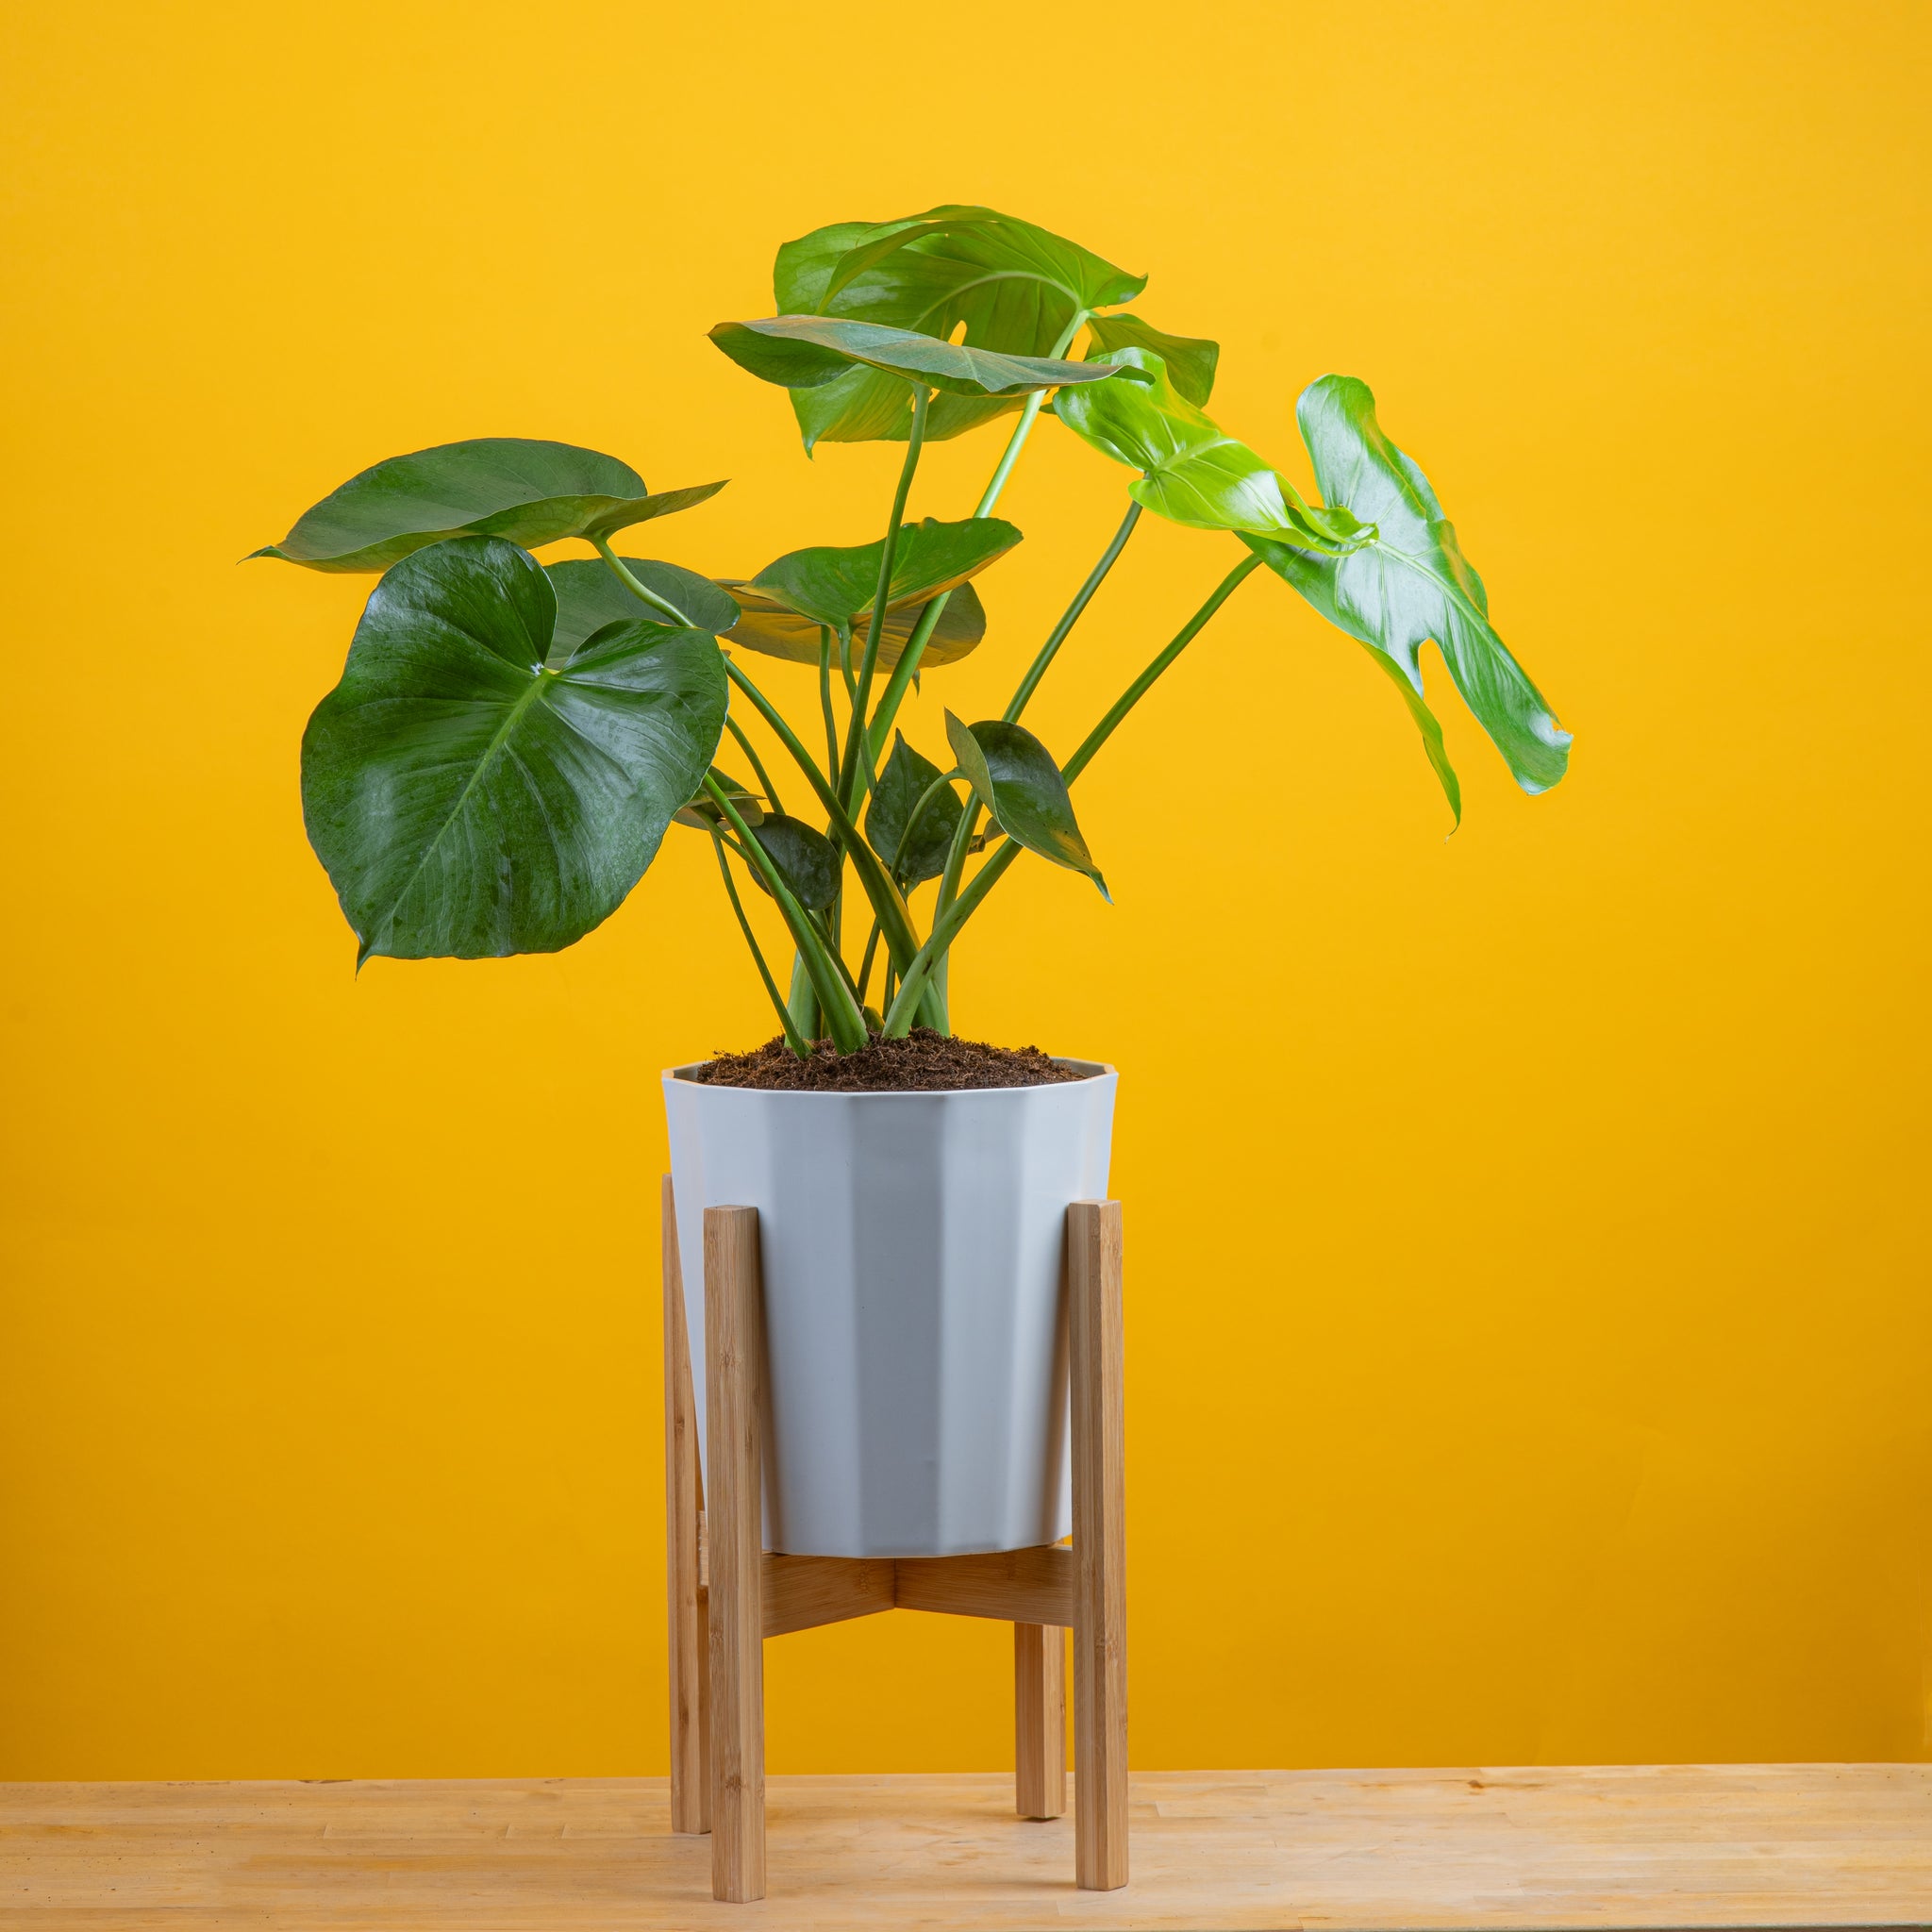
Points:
(1189, 360)
(1020, 786)
(903, 780)
(1409, 582)
(806, 861)
(806, 351)
(769, 627)
(527, 492)
(834, 586)
(700, 810)
(467, 801)
(590, 595)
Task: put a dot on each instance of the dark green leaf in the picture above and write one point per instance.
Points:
(1410, 582)
(700, 810)
(1190, 359)
(834, 586)
(767, 626)
(903, 782)
(1020, 786)
(467, 801)
(526, 492)
(590, 595)
(806, 861)
(1014, 287)
(807, 351)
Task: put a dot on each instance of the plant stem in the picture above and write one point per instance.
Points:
(899, 1016)
(872, 946)
(791, 1035)
(881, 596)
(758, 764)
(636, 589)
(1097, 577)
(826, 697)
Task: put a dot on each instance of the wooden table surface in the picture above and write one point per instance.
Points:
(1653, 1846)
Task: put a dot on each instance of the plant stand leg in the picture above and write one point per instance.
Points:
(734, 1360)
(1039, 1720)
(683, 1503)
(1100, 1592)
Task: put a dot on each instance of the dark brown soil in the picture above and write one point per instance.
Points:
(925, 1062)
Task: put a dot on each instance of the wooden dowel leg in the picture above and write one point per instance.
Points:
(691, 1793)
(734, 1356)
(1039, 1720)
(1096, 1365)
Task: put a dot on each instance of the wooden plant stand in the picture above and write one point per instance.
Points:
(728, 1593)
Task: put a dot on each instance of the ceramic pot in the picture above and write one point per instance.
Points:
(915, 1328)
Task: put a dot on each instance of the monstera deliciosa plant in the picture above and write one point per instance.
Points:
(510, 740)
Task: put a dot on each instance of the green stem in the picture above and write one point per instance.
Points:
(636, 589)
(842, 1017)
(881, 596)
(1037, 670)
(784, 1013)
(758, 764)
(872, 946)
(905, 1007)
(826, 697)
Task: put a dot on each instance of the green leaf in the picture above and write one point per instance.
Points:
(836, 586)
(700, 810)
(1192, 473)
(1020, 786)
(1189, 360)
(903, 781)
(1011, 285)
(768, 625)
(1410, 582)
(806, 351)
(526, 492)
(590, 595)
(806, 861)
(467, 801)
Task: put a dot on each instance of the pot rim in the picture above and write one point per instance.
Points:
(1096, 1070)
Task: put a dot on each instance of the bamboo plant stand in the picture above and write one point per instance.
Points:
(728, 1593)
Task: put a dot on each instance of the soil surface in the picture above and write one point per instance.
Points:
(924, 1062)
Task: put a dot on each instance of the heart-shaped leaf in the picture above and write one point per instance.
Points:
(1190, 360)
(1020, 786)
(903, 780)
(765, 624)
(1011, 286)
(467, 800)
(526, 492)
(806, 861)
(590, 595)
(805, 351)
(1192, 473)
(836, 586)
(1410, 582)
(700, 810)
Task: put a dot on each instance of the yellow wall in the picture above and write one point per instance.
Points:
(1528, 1318)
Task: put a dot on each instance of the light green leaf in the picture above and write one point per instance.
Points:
(1011, 285)
(590, 595)
(806, 861)
(467, 801)
(1020, 786)
(1410, 582)
(526, 492)
(836, 586)
(765, 624)
(1189, 360)
(903, 781)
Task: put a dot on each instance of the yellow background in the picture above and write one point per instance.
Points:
(1527, 1319)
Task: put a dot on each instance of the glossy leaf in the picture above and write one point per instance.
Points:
(1020, 786)
(1411, 583)
(590, 595)
(903, 781)
(836, 586)
(469, 802)
(768, 625)
(527, 492)
(1011, 285)
(1189, 360)
(700, 810)
(806, 861)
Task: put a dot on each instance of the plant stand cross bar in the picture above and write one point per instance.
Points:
(727, 1592)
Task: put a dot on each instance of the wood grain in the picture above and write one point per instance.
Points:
(1039, 1720)
(1096, 1366)
(734, 1420)
(1457, 1850)
(801, 1592)
(1015, 1586)
(689, 1641)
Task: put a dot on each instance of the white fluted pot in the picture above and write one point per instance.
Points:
(915, 1333)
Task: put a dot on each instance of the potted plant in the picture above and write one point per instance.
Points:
(510, 741)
